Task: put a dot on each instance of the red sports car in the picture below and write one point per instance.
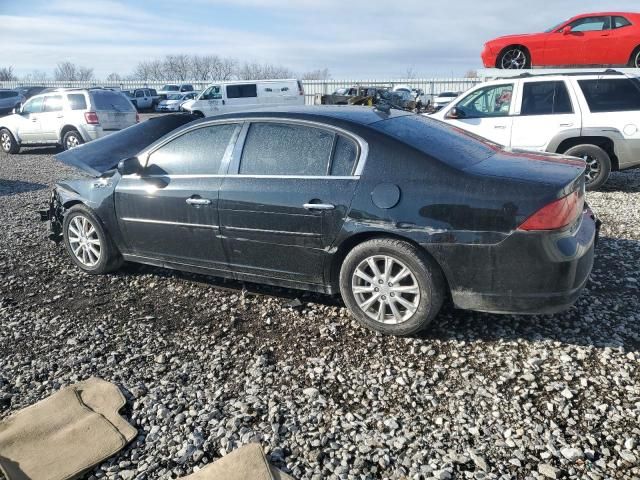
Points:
(609, 38)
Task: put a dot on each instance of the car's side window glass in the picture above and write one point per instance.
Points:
(139, 93)
(212, 93)
(545, 98)
(197, 152)
(242, 91)
(344, 157)
(286, 149)
(52, 103)
(611, 95)
(619, 22)
(492, 101)
(590, 24)
(33, 106)
(77, 101)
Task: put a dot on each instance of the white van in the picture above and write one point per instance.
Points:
(223, 97)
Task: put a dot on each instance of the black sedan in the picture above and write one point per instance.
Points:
(395, 211)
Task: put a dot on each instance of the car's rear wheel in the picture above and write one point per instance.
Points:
(72, 139)
(514, 58)
(391, 286)
(598, 164)
(8, 142)
(88, 245)
(634, 61)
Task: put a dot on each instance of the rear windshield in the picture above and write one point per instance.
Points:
(107, 100)
(8, 94)
(444, 142)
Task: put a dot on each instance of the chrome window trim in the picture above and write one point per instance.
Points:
(224, 175)
(163, 222)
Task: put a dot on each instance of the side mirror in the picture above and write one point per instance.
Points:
(129, 166)
(454, 113)
(566, 30)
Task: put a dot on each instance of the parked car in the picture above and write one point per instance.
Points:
(28, 92)
(423, 102)
(174, 88)
(443, 99)
(594, 116)
(607, 39)
(222, 97)
(356, 95)
(174, 102)
(394, 210)
(66, 118)
(154, 96)
(10, 100)
(142, 98)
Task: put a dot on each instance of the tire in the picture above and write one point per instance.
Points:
(634, 60)
(8, 142)
(71, 139)
(81, 223)
(198, 114)
(598, 164)
(424, 277)
(514, 58)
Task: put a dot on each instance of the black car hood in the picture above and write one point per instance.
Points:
(101, 155)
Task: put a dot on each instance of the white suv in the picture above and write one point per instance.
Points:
(595, 116)
(67, 118)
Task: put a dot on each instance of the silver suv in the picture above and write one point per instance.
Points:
(66, 118)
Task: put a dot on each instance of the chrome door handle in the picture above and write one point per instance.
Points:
(566, 124)
(500, 127)
(34, 119)
(198, 201)
(319, 206)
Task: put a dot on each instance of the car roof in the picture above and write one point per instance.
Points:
(605, 14)
(346, 113)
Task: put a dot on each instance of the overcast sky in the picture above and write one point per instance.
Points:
(353, 38)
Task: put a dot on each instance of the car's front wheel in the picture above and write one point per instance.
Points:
(514, 58)
(8, 142)
(72, 139)
(88, 245)
(391, 286)
(598, 164)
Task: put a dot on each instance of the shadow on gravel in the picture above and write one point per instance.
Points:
(625, 181)
(14, 187)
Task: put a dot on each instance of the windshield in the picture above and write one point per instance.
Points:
(447, 94)
(553, 29)
(170, 88)
(174, 96)
(107, 100)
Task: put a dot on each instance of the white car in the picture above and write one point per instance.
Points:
(142, 98)
(238, 95)
(66, 118)
(171, 88)
(594, 116)
(443, 99)
(174, 101)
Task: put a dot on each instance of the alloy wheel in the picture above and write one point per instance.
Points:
(5, 141)
(636, 60)
(593, 170)
(513, 59)
(84, 241)
(72, 142)
(385, 289)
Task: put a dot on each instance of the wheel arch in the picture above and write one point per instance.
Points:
(360, 237)
(514, 45)
(68, 128)
(603, 142)
(632, 56)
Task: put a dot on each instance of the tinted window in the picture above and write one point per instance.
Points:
(186, 88)
(611, 95)
(242, 91)
(545, 98)
(448, 144)
(492, 101)
(77, 101)
(33, 106)
(344, 157)
(171, 88)
(198, 152)
(8, 94)
(106, 100)
(619, 22)
(52, 103)
(283, 149)
(590, 24)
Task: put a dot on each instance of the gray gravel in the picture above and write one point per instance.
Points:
(210, 365)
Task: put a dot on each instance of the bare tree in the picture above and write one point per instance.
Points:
(410, 73)
(71, 72)
(317, 75)
(114, 77)
(36, 76)
(6, 74)
(471, 74)
(177, 67)
(257, 71)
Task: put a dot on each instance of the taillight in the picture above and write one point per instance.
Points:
(557, 214)
(137, 117)
(91, 118)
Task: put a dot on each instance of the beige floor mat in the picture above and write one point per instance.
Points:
(65, 434)
(245, 463)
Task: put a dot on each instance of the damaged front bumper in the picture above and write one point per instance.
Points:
(54, 214)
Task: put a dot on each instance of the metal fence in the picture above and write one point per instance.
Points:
(312, 88)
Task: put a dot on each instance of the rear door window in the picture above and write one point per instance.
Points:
(619, 22)
(77, 101)
(197, 152)
(242, 91)
(545, 98)
(52, 103)
(345, 155)
(286, 149)
(111, 101)
(611, 94)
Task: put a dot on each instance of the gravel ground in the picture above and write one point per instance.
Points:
(209, 365)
